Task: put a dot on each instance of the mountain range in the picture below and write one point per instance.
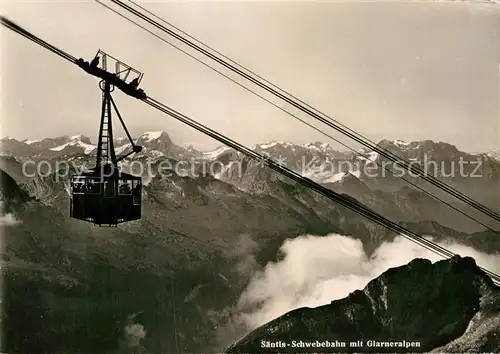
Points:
(356, 173)
(210, 222)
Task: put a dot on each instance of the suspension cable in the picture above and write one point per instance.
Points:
(357, 153)
(329, 122)
(19, 30)
(341, 199)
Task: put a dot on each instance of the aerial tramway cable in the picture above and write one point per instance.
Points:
(341, 199)
(14, 27)
(322, 117)
(288, 112)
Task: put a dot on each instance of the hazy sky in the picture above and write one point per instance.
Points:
(397, 70)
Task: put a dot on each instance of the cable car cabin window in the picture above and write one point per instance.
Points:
(125, 187)
(93, 186)
(78, 186)
(136, 192)
(109, 189)
(136, 187)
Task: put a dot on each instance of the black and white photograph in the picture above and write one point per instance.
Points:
(259, 176)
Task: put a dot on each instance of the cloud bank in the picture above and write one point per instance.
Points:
(317, 270)
(6, 219)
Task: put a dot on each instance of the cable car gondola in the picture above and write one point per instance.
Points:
(105, 195)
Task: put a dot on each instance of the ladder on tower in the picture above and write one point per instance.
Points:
(105, 151)
(106, 119)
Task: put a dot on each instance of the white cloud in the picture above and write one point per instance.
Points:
(6, 219)
(134, 334)
(318, 270)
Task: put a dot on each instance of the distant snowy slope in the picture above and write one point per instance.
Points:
(77, 141)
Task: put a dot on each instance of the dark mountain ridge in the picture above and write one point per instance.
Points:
(423, 304)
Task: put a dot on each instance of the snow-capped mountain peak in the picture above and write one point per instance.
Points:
(123, 149)
(318, 146)
(213, 155)
(157, 140)
(29, 142)
(156, 135)
(79, 141)
(79, 137)
(287, 148)
(275, 144)
(401, 144)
